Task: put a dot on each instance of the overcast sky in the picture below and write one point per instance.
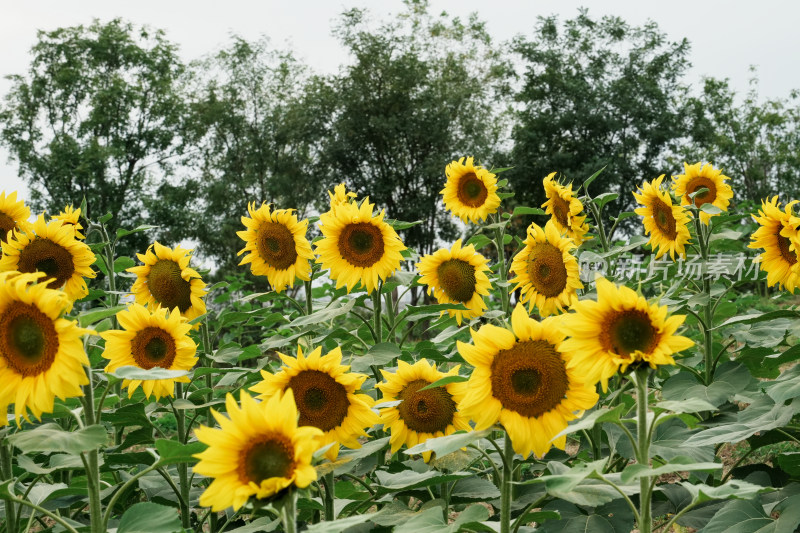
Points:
(726, 36)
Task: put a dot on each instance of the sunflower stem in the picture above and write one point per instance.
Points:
(376, 307)
(92, 460)
(183, 468)
(330, 495)
(309, 298)
(108, 250)
(6, 474)
(505, 490)
(288, 512)
(643, 450)
(708, 317)
(501, 270)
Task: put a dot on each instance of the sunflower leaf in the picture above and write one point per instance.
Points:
(447, 444)
(147, 517)
(591, 179)
(444, 381)
(51, 438)
(520, 210)
(173, 452)
(134, 372)
(92, 316)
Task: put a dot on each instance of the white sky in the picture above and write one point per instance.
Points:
(726, 36)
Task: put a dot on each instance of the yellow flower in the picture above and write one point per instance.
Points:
(470, 192)
(618, 330)
(277, 246)
(72, 217)
(165, 279)
(357, 246)
(457, 276)
(150, 339)
(327, 396)
(423, 414)
(51, 247)
(778, 237)
(340, 196)
(41, 354)
(547, 273)
(257, 451)
(667, 224)
(14, 215)
(565, 210)
(698, 177)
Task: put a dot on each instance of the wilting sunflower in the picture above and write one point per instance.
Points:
(14, 215)
(523, 379)
(149, 339)
(698, 177)
(357, 246)
(51, 247)
(257, 451)
(277, 246)
(667, 224)
(778, 236)
(423, 414)
(457, 276)
(72, 217)
(340, 196)
(326, 394)
(565, 210)
(618, 330)
(547, 273)
(165, 279)
(41, 354)
(470, 192)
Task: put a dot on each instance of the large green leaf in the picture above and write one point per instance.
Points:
(146, 517)
(447, 444)
(409, 480)
(677, 464)
(380, 355)
(762, 415)
(732, 489)
(134, 372)
(51, 438)
(172, 452)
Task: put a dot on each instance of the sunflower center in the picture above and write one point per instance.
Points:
(361, 244)
(28, 339)
(546, 270)
(153, 347)
(168, 287)
(6, 224)
(44, 255)
(428, 411)
(783, 245)
(662, 216)
(561, 211)
(529, 378)
(627, 332)
(472, 191)
(702, 183)
(321, 400)
(457, 279)
(276, 245)
(266, 458)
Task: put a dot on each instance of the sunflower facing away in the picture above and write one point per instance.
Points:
(470, 192)
(667, 224)
(618, 330)
(277, 246)
(149, 339)
(357, 246)
(565, 210)
(72, 217)
(523, 379)
(41, 354)
(423, 414)
(457, 276)
(165, 279)
(257, 451)
(14, 215)
(698, 176)
(51, 247)
(326, 394)
(340, 196)
(547, 273)
(778, 236)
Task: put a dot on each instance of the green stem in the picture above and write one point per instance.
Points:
(108, 250)
(390, 314)
(183, 468)
(505, 489)
(376, 305)
(92, 461)
(309, 298)
(446, 497)
(45, 512)
(7, 474)
(708, 325)
(501, 269)
(288, 514)
(123, 489)
(330, 495)
(643, 450)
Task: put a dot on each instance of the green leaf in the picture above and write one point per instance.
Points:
(786, 387)
(761, 415)
(51, 438)
(87, 318)
(595, 417)
(602, 199)
(447, 444)
(123, 263)
(173, 452)
(146, 517)
(740, 516)
(677, 464)
(591, 178)
(753, 318)
(335, 309)
(475, 488)
(134, 372)
(337, 526)
(123, 232)
(398, 225)
(689, 405)
(445, 381)
(520, 210)
(408, 479)
(479, 241)
(710, 209)
(732, 489)
(380, 355)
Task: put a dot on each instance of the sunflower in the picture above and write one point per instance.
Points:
(51, 247)
(547, 273)
(326, 395)
(523, 379)
(697, 177)
(257, 451)
(457, 276)
(165, 279)
(565, 210)
(41, 354)
(71, 216)
(14, 215)
(357, 246)
(618, 330)
(340, 196)
(149, 339)
(778, 237)
(423, 414)
(667, 224)
(470, 192)
(277, 246)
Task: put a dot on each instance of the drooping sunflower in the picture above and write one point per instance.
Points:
(423, 414)
(149, 339)
(565, 210)
(470, 192)
(667, 224)
(277, 246)
(357, 246)
(523, 379)
(327, 396)
(41, 354)
(699, 176)
(51, 247)
(257, 451)
(457, 276)
(547, 273)
(166, 279)
(72, 216)
(778, 236)
(620, 329)
(14, 215)
(340, 196)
